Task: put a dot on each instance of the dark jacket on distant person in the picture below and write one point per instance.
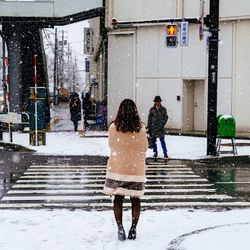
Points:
(157, 119)
(75, 109)
(87, 105)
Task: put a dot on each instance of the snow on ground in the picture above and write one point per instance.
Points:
(71, 230)
(96, 230)
(94, 143)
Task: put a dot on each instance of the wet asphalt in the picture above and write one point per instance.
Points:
(230, 175)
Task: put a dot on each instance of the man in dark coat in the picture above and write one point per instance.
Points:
(157, 119)
(87, 108)
(75, 110)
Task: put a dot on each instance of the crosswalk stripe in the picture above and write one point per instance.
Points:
(102, 166)
(99, 170)
(102, 172)
(78, 191)
(81, 186)
(79, 180)
(86, 176)
(101, 206)
(104, 197)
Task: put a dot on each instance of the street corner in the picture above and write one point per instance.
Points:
(230, 236)
(15, 147)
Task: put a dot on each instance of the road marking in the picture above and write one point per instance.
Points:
(81, 187)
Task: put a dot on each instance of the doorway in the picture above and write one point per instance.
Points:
(193, 116)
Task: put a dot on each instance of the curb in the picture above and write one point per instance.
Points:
(15, 147)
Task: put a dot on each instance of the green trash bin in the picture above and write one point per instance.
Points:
(226, 126)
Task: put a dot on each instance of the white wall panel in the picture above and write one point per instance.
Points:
(234, 9)
(146, 90)
(169, 89)
(120, 71)
(224, 99)
(195, 55)
(228, 8)
(169, 58)
(242, 74)
(192, 8)
(147, 52)
(143, 9)
(225, 50)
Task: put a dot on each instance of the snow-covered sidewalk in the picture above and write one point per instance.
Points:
(183, 229)
(71, 230)
(95, 143)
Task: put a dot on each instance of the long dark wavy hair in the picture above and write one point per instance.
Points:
(127, 119)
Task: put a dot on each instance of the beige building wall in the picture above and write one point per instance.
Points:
(140, 65)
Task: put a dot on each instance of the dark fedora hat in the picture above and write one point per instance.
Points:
(157, 99)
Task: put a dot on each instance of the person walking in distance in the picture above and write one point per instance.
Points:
(157, 118)
(87, 108)
(126, 165)
(75, 109)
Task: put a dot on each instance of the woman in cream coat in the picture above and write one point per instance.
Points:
(126, 165)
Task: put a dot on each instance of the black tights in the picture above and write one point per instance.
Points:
(75, 125)
(118, 209)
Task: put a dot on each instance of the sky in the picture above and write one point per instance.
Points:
(74, 35)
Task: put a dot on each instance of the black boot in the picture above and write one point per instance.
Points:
(166, 158)
(121, 234)
(136, 210)
(155, 156)
(132, 234)
(118, 201)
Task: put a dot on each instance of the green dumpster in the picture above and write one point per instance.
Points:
(226, 126)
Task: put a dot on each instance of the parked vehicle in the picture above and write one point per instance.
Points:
(63, 95)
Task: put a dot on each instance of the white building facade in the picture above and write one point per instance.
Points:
(140, 65)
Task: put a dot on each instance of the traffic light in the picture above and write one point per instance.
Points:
(171, 35)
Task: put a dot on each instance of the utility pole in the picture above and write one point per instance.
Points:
(62, 61)
(55, 98)
(68, 77)
(212, 21)
(62, 43)
(4, 77)
(74, 75)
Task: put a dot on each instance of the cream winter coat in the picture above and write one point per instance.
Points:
(126, 165)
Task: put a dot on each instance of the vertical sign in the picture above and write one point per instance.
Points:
(202, 13)
(88, 41)
(86, 65)
(7, 83)
(184, 33)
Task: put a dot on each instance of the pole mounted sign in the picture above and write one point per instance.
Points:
(184, 34)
